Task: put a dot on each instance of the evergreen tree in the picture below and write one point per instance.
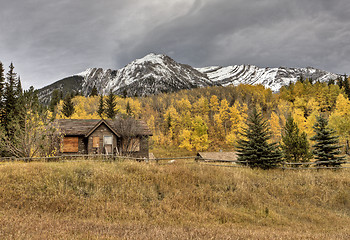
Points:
(254, 148)
(331, 82)
(9, 99)
(128, 108)
(326, 148)
(101, 107)
(19, 97)
(340, 82)
(346, 86)
(56, 96)
(94, 92)
(19, 90)
(111, 104)
(2, 92)
(301, 78)
(68, 106)
(295, 146)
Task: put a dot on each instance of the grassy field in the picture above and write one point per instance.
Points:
(128, 200)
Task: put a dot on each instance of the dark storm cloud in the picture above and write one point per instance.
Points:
(48, 40)
(264, 33)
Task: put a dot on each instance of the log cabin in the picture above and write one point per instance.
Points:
(126, 137)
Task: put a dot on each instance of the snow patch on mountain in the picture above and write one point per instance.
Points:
(157, 73)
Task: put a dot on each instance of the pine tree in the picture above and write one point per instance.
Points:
(94, 92)
(111, 104)
(9, 99)
(326, 149)
(2, 92)
(68, 106)
(19, 97)
(295, 146)
(340, 82)
(253, 148)
(56, 96)
(128, 108)
(346, 86)
(101, 107)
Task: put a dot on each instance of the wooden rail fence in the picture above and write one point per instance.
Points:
(171, 160)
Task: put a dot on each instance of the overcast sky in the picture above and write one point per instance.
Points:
(48, 40)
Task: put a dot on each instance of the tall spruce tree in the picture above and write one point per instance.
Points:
(56, 96)
(111, 104)
(326, 149)
(295, 146)
(101, 107)
(68, 106)
(340, 82)
(254, 148)
(2, 92)
(9, 111)
(128, 109)
(94, 92)
(346, 86)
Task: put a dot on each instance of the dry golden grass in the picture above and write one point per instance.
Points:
(127, 200)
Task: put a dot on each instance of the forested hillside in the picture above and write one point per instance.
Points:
(211, 118)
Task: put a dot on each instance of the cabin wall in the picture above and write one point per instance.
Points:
(101, 131)
(144, 148)
(81, 146)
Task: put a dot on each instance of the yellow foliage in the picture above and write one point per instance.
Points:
(298, 116)
(214, 103)
(276, 128)
(185, 139)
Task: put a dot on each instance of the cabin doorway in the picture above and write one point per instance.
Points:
(108, 144)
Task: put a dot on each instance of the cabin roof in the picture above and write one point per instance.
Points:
(84, 127)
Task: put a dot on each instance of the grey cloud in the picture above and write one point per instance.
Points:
(48, 40)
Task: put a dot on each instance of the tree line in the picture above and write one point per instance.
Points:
(204, 119)
(209, 119)
(26, 129)
(255, 150)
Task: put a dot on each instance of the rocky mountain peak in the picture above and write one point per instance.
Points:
(157, 73)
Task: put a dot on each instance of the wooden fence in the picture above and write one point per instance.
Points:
(284, 165)
(171, 160)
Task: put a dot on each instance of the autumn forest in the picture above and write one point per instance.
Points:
(210, 119)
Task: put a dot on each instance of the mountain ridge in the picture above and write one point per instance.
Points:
(155, 74)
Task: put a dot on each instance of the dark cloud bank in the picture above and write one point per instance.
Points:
(49, 40)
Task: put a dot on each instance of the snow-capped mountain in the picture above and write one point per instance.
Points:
(273, 78)
(154, 74)
(149, 75)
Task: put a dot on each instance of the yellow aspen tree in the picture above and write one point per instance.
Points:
(199, 137)
(283, 110)
(185, 139)
(238, 116)
(135, 106)
(298, 116)
(310, 122)
(300, 103)
(339, 120)
(183, 105)
(214, 104)
(201, 107)
(224, 114)
(311, 106)
(275, 127)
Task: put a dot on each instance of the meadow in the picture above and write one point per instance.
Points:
(131, 200)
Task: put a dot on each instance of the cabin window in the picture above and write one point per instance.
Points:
(70, 144)
(107, 140)
(95, 142)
